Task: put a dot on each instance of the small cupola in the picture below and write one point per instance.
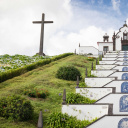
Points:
(125, 25)
(105, 37)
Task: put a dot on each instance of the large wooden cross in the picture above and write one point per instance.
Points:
(42, 33)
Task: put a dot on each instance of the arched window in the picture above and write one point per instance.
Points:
(125, 35)
(125, 76)
(124, 87)
(125, 69)
(123, 123)
(124, 103)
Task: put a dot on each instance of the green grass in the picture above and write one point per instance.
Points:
(43, 77)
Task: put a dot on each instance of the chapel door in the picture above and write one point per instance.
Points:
(105, 48)
(124, 47)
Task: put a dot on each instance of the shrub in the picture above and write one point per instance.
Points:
(82, 84)
(16, 108)
(39, 93)
(91, 75)
(89, 54)
(68, 73)
(59, 120)
(73, 98)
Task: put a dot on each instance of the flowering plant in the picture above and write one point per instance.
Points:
(90, 58)
(38, 93)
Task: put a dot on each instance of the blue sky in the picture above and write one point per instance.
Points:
(111, 9)
(75, 21)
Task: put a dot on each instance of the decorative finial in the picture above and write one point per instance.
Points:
(77, 83)
(125, 23)
(75, 51)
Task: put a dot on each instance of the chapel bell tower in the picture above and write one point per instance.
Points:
(105, 37)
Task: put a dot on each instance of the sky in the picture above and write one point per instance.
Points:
(75, 21)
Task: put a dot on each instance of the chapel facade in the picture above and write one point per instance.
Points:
(119, 41)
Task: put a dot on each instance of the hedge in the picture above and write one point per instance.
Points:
(16, 72)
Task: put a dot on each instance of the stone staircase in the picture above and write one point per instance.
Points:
(109, 89)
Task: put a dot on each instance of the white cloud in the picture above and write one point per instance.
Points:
(72, 25)
(116, 5)
(18, 34)
(86, 37)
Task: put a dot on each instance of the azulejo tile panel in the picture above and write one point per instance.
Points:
(124, 103)
(125, 69)
(124, 87)
(125, 63)
(123, 123)
(125, 76)
(125, 59)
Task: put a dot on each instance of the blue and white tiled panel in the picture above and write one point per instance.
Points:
(125, 54)
(120, 75)
(121, 68)
(122, 59)
(121, 86)
(119, 101)
(111, 122)
(122, 62)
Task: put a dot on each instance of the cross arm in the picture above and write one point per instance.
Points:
(48, 21)
(37, 22)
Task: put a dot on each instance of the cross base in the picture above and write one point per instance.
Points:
(41, 54)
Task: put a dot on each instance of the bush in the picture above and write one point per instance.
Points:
(91, 75)
(59, 120)
(82, 84)
(16, 108)
(39, 93)
(89, 54)
(68, 73)
(73, 98)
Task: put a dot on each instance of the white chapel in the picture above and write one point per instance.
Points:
(119, 43)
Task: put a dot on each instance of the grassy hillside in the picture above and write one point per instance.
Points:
(43, 77)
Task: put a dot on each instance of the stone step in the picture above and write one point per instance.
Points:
(119, 101)
(103, 73)
(98, 81)
(104, 66)
(107, 62)
(113, 121)
(121, 75)
(87, 111)
(121, 86)
(95, 93)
